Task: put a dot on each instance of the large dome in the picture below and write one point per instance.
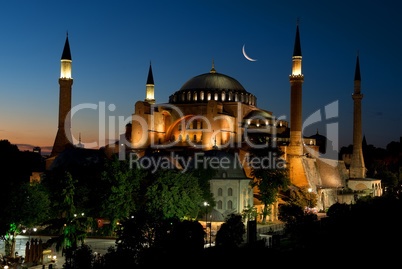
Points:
(212, 86)
(212, 81)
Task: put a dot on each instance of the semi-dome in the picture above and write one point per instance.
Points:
(212, 86)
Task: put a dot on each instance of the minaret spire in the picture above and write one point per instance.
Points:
(63, 138)
(150, 79)
(357, 71)
(150, 87)
(295, 150)
(297, 47)
(357, 167)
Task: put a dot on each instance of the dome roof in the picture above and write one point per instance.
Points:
(212, 81)
(258, 114)
(212, 86)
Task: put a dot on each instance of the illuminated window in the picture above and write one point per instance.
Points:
(230, 96)
(202, 96)
(236, 97)
(183, 96)
(216, 97)
(189, 96)
(195, 96)
(209, 96)
(223, 96)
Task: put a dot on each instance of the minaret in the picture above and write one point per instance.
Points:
(150, 97)
(296, 81)
(357, 168)
(63, 138)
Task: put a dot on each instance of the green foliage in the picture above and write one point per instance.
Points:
(231, 232)
(173, 194)
(249, 213)
(268, 180)
(120, 190)
(300, 196)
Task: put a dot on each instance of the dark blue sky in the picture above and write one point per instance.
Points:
(112, 43)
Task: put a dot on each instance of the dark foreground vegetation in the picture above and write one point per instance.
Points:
(368, 232)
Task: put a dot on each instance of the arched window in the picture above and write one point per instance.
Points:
(183, 96)
(180, 137)
(195, 138)
(230, 96)
(220, 192)
(236, 97)
(187, 138)
(216, 96)
(223, 96)
(189, 96)
(202, 96)
(209, 96)
(230, 192)
(195, 96)
(219, 204)
(230, 205)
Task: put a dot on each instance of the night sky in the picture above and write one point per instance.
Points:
(112, 43)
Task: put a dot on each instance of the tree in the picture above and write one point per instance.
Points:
(71, 225)
(173, 194)
(249, 213)
(301, 197)
(269, 180)
(120, 190)
(27, 207)
(231, 232)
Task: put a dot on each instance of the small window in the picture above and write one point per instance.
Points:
(220, 192)
(230, 205)
(219, 204)
(195, 138)
(202, 96)
(230, 192)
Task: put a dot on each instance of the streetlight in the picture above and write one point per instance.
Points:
(206, 222)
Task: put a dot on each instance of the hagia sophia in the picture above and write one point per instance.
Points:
(213, 115)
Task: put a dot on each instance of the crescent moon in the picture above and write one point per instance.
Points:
(245, 55)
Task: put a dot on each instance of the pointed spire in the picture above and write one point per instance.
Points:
(297, 48)
(357, 71)
(213, 67)
(150, 79)
(66, 52)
